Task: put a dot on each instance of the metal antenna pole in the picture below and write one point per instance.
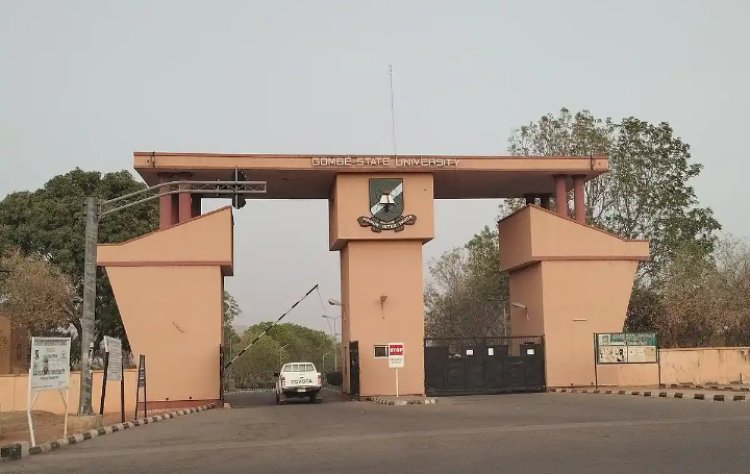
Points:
(89, 303)
(393, 111)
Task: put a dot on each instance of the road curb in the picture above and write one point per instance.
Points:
(390, 401)
(17, 451)
(709, 386)
(657, 394)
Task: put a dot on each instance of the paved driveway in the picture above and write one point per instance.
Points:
(540, 433)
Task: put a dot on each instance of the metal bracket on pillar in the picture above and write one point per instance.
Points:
(206, 189)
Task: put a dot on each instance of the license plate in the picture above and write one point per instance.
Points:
(300, 389)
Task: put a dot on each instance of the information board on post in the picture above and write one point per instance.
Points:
(113, 347)
(626, 348)
(49, 369)
(50, 363)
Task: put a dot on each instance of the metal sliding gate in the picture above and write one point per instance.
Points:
(460, 366)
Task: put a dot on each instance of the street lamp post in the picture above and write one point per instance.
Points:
(281, 349)
(334, 302)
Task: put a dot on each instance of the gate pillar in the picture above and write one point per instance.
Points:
(378, 223)
(568, 281)
(169, 289)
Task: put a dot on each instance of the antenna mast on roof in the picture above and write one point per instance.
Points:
(390, 80)
(393, 110)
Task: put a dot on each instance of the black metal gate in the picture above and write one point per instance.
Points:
(459, 366)
(354, 368)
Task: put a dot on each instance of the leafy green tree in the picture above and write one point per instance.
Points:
(283, 343)
(50, 222)
(647, 194)
(256, 366)
(230, 337)
(468, 294)
(231, 309)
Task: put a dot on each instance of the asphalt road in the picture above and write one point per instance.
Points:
(529, 433)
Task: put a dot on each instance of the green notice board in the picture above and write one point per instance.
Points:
(626, 348)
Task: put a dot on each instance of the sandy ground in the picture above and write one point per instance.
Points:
(14, 425)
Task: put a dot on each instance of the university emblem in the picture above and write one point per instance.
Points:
(387, 206)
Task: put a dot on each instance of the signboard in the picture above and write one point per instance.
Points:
(626, 348)
(142, 370)
(49, 370)
(50, 363)
(113, 346)
(395, 355)
(384, 162)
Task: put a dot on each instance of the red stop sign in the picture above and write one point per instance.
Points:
(395, 349)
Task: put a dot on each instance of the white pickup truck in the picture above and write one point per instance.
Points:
(298, 380)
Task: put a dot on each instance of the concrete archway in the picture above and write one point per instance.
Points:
(168, 284)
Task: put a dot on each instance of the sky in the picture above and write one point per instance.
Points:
(86, 83)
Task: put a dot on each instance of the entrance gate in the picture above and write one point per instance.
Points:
(460, 366)
(354, 368)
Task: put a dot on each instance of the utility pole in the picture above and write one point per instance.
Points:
(281, 349)
(89, 303)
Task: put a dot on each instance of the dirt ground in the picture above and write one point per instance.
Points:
(14, 425)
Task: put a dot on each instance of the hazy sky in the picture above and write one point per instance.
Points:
(87, 83)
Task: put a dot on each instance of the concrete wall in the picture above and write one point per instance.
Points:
(721, 365)
(393, 269)
(169, 290)
(581, 298)
(14, 390)
(177, 327)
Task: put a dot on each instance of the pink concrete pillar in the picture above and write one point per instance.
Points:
(167, 212)
(561, 195)
(579, 199)
(185, 204)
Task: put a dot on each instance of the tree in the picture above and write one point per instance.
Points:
(283, 343)
(468, 294)
(230, 337)
(34, 294)
(647, 192)
(701, 301)
(231, 310)
(49, 222)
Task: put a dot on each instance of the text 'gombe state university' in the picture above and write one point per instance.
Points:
(384, 161)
